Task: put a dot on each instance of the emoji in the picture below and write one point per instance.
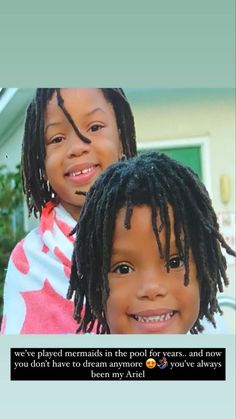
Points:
(162, 363)
(150, 363)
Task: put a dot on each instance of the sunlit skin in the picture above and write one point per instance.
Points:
(67, 155)
(144, 297)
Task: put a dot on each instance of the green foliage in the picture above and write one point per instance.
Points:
(11, 218)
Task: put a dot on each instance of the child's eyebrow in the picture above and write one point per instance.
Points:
(122, 251)
(52, 124)
(94, 111)
(173, 245)
(119, 250)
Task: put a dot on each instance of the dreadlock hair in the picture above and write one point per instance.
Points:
(36, 188)
(155, 180)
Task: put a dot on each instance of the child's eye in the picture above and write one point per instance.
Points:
(56, 140)
(96, 127)
(122, 269)
(175, 262)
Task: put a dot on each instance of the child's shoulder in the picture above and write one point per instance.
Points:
(31, 243)
(29, 240)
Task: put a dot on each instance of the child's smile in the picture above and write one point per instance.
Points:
(144, 297)
(154, 321)
(82, 174)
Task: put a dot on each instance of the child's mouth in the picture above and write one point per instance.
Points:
(81, 172)
(151, 319)
(82, 175)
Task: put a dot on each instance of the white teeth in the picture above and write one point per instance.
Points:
(88, 170)
(75, 174)
(150, 319)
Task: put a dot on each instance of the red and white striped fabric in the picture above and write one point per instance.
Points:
(37, 278)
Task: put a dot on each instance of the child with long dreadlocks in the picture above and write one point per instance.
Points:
(147, 255)
(71, 136)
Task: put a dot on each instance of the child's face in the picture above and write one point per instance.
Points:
(144, 297)
(71, 164)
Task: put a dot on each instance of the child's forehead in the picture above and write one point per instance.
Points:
(142, 212)
(81, 95)
(146, 237)
(77, 100)
(141, 234)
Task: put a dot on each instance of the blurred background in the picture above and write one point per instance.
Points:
(194, 126)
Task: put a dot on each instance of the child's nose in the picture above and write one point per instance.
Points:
(76, 146)
(151, 285)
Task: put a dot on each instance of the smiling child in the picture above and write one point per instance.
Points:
(147, 255)
(71, 136)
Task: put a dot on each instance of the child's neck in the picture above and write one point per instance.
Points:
(73, 210)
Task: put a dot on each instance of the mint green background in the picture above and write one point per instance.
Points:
(177, 43)
(158, 43)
